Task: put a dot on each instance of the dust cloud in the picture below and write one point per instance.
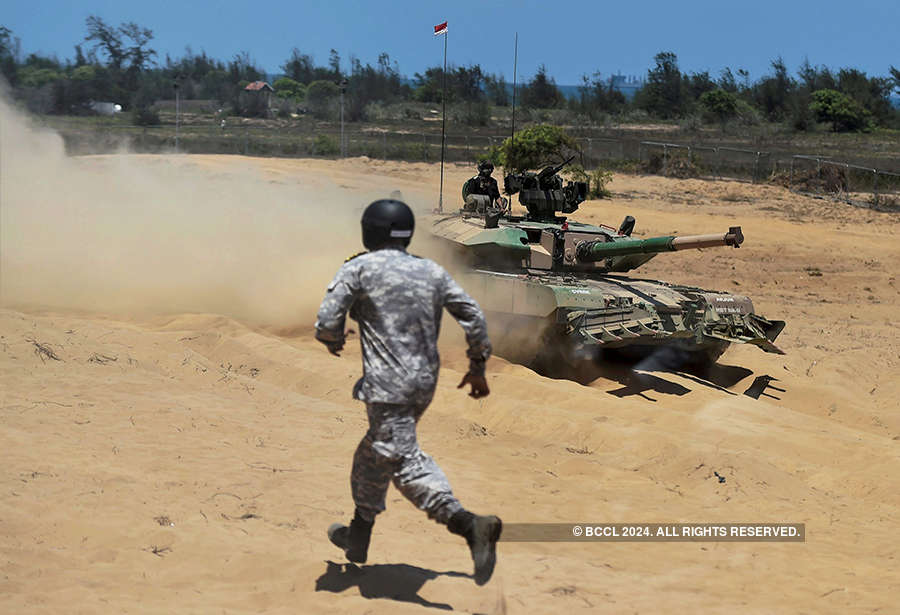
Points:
(142, 235)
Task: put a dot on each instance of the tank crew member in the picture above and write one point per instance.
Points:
(483, 183)
(397, 299)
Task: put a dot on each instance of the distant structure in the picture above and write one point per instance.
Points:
(262, 89)
(256, 99)
(627, 84)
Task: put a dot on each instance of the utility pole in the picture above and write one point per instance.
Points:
(177, 110)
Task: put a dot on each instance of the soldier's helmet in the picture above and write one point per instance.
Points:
(485, 168)
(387, 221)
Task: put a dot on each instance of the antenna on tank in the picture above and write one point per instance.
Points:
(512, 136)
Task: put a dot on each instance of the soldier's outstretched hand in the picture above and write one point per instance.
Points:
(335, 347)
(479, 385)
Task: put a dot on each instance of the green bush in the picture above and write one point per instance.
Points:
(288, 88)
(320, 97)
(323, 145)
(596, 180)
(535, 147)
(844, 113)
(719, 105)
(34, 77)
(84, 73)
(747, 115)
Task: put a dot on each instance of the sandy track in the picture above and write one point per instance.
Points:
(222, 440)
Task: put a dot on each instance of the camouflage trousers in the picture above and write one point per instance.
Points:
(390, 452)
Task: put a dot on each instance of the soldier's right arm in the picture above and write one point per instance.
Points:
(332, 314)
(494, 191)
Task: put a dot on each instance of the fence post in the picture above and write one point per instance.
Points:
(791, 179)
(756, 168)
(847, 165)
(875, 184)
(718, 163)
(384, 145)
(665, 159)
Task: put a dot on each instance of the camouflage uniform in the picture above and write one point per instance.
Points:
(483, 185)
(397, 299)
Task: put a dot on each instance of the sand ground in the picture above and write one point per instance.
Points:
(184, 450)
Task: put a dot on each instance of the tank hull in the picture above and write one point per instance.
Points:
(546, 302)
(538, 315)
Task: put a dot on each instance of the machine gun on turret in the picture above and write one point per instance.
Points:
(543, 193)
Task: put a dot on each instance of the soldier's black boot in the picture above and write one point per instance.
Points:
(354, 540)
(481, 534)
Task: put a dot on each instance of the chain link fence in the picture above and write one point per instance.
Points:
(815, 175)
(704, 161)
(854, 184)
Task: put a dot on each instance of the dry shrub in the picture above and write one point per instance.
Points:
(675, 165)
(681, 167)
(885, 202)
(782, 178)
(827, 179)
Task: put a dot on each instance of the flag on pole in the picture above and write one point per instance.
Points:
(441, 28)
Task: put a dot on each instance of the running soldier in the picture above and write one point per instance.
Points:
(397, 299)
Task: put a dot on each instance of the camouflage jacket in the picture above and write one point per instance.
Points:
(484, 185)
(398, 299)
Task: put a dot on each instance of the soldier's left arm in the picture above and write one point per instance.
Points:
(470, 317)
(333, 312)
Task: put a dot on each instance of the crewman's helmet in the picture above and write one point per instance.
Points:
(485, 168)
(387, 221)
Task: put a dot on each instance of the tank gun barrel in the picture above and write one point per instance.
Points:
(593, 251)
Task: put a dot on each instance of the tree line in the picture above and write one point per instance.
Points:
(119, 64)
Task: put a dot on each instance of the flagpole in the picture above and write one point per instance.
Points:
(443, 125)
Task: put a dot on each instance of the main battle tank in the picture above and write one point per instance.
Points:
(554, 289)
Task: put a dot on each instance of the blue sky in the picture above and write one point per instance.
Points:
(571, 38)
